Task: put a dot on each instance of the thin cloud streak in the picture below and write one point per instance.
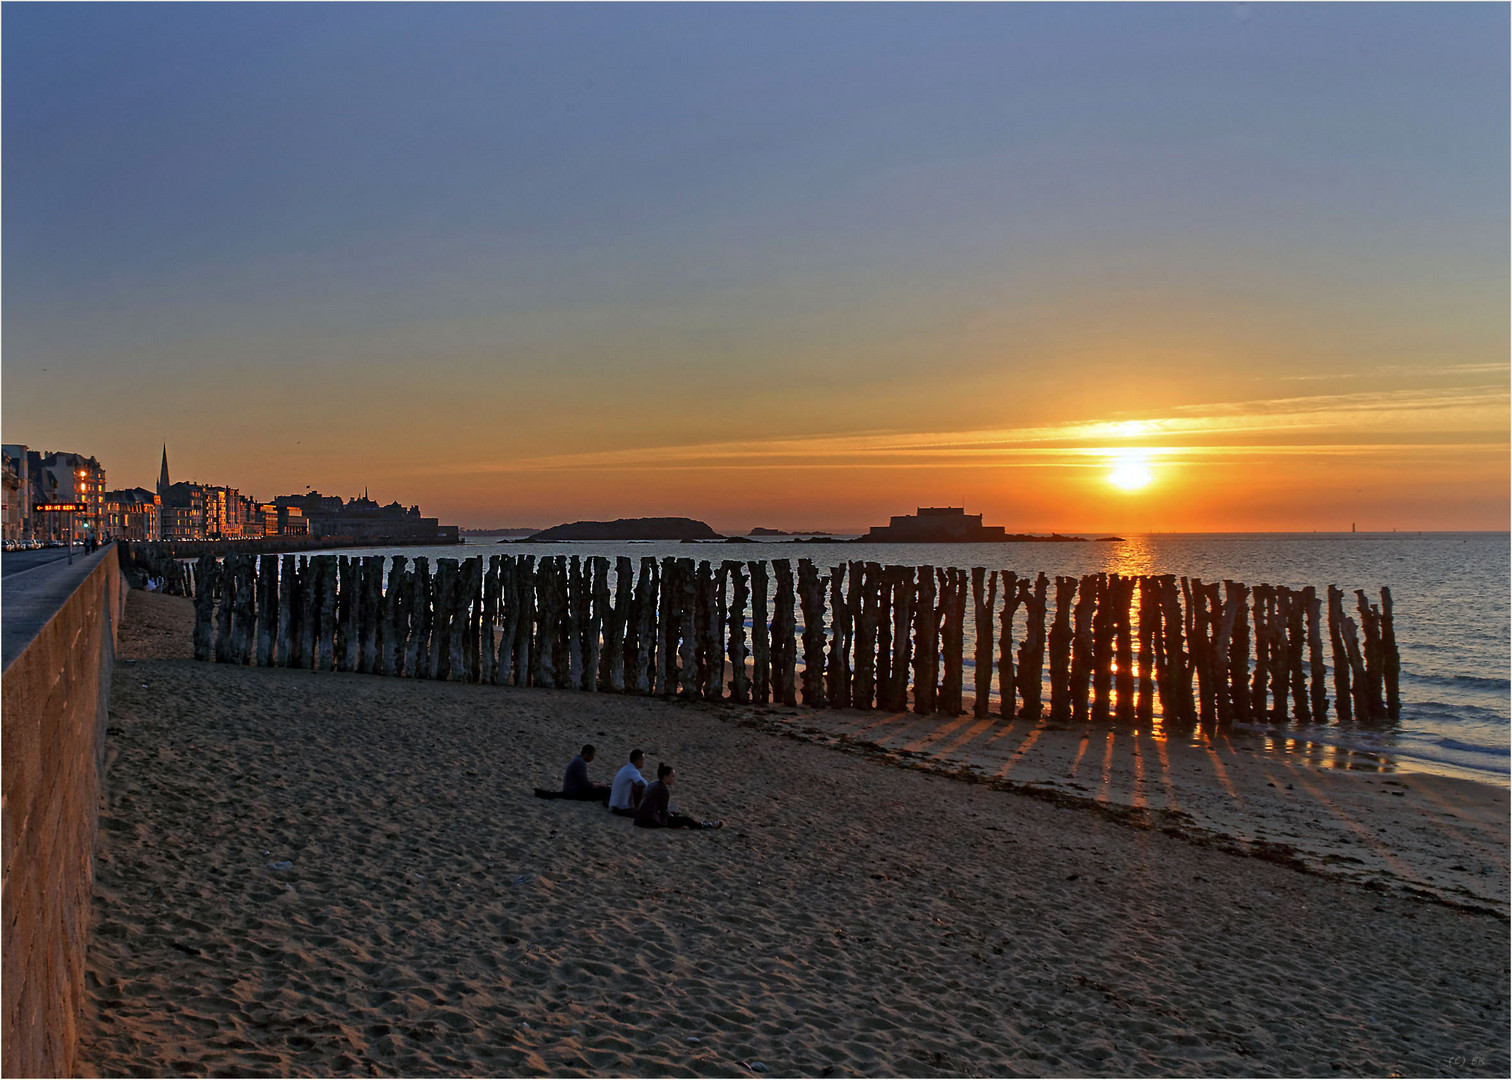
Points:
(1463, 417)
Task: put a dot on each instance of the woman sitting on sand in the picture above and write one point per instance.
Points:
(653, 812)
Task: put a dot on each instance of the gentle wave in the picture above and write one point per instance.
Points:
(1472, 748)
(1471, 681)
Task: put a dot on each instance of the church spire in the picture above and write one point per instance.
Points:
(163, 475)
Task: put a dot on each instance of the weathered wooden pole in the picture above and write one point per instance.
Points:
(616, 626)
(345, 651)
(1260, 612)
(325, 625)
(882, 613)
(599, 614)
(811, 603)
(561, 585)
(1175, 683)
(1280, 680)
(1122, 595)
(761, 638)
(1081, 648)
(417, 648)
(862, 603)
(1296, 651)
(740, 680)
(953, 645)
(902, 624)
(983, 602)
(525, 619)
(1013, 598)
(784, 644)
(1238, 658)
(718, 631)
(288, 573)
(1061, 641)
(710, 651)
(306, 614)
(443, 604)
(561, 659)
(488, 657)
(837, 671)
(1103, 629)
(204, 608)
(664, 681)
(1200, 626)
(645, 606)
(369, 578)
(926, 645)
(246, 615)
(577, 603)
(466, 662)
(1317, 687)
(267, 609)
(687, 645)
(396, 615)
(1359, 681)
(508, 621)
(703, 589)
(1149, 631)
(1229, 615)
(543, 649)
(1031, 656)
(1391, 660)
(1374, 655)
(226, 593)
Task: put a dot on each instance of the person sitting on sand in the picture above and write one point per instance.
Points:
(576, 785)
(654, 810)
(628, 787)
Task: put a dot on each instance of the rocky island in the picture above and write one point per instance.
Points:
(656, 528)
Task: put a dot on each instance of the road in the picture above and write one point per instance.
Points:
(18, 562)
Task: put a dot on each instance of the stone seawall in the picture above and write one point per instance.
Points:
(55, 698)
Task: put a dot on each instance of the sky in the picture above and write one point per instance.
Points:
(801, 267)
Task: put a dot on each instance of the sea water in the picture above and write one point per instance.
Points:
(1451, 592)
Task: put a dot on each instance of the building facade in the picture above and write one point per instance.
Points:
(132, 514)
(62, 477)
(18, 503)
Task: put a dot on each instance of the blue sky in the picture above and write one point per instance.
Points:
(498, 232)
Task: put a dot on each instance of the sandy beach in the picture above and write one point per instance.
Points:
(335, 874)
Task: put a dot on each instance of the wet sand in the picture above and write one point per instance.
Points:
(317, 874)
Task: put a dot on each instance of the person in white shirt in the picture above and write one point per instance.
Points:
(625, 793)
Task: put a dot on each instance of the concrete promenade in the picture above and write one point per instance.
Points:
(33, 586)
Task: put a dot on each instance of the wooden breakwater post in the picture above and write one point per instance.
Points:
(903, 586)
(784, 627)
(983, 602)
(837, 670)
(1031, 658)
(879, 595)
(811, 589)
(926, 657)
(1008, 687)
(953, 586)
(736, 650)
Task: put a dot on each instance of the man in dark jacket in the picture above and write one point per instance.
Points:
(576, 785)
(654, 812)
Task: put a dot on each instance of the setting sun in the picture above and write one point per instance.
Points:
(1130, 473)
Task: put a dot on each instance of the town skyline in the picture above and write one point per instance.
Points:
(1077, 269)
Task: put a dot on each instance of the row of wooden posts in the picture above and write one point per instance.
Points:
(887, 637)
